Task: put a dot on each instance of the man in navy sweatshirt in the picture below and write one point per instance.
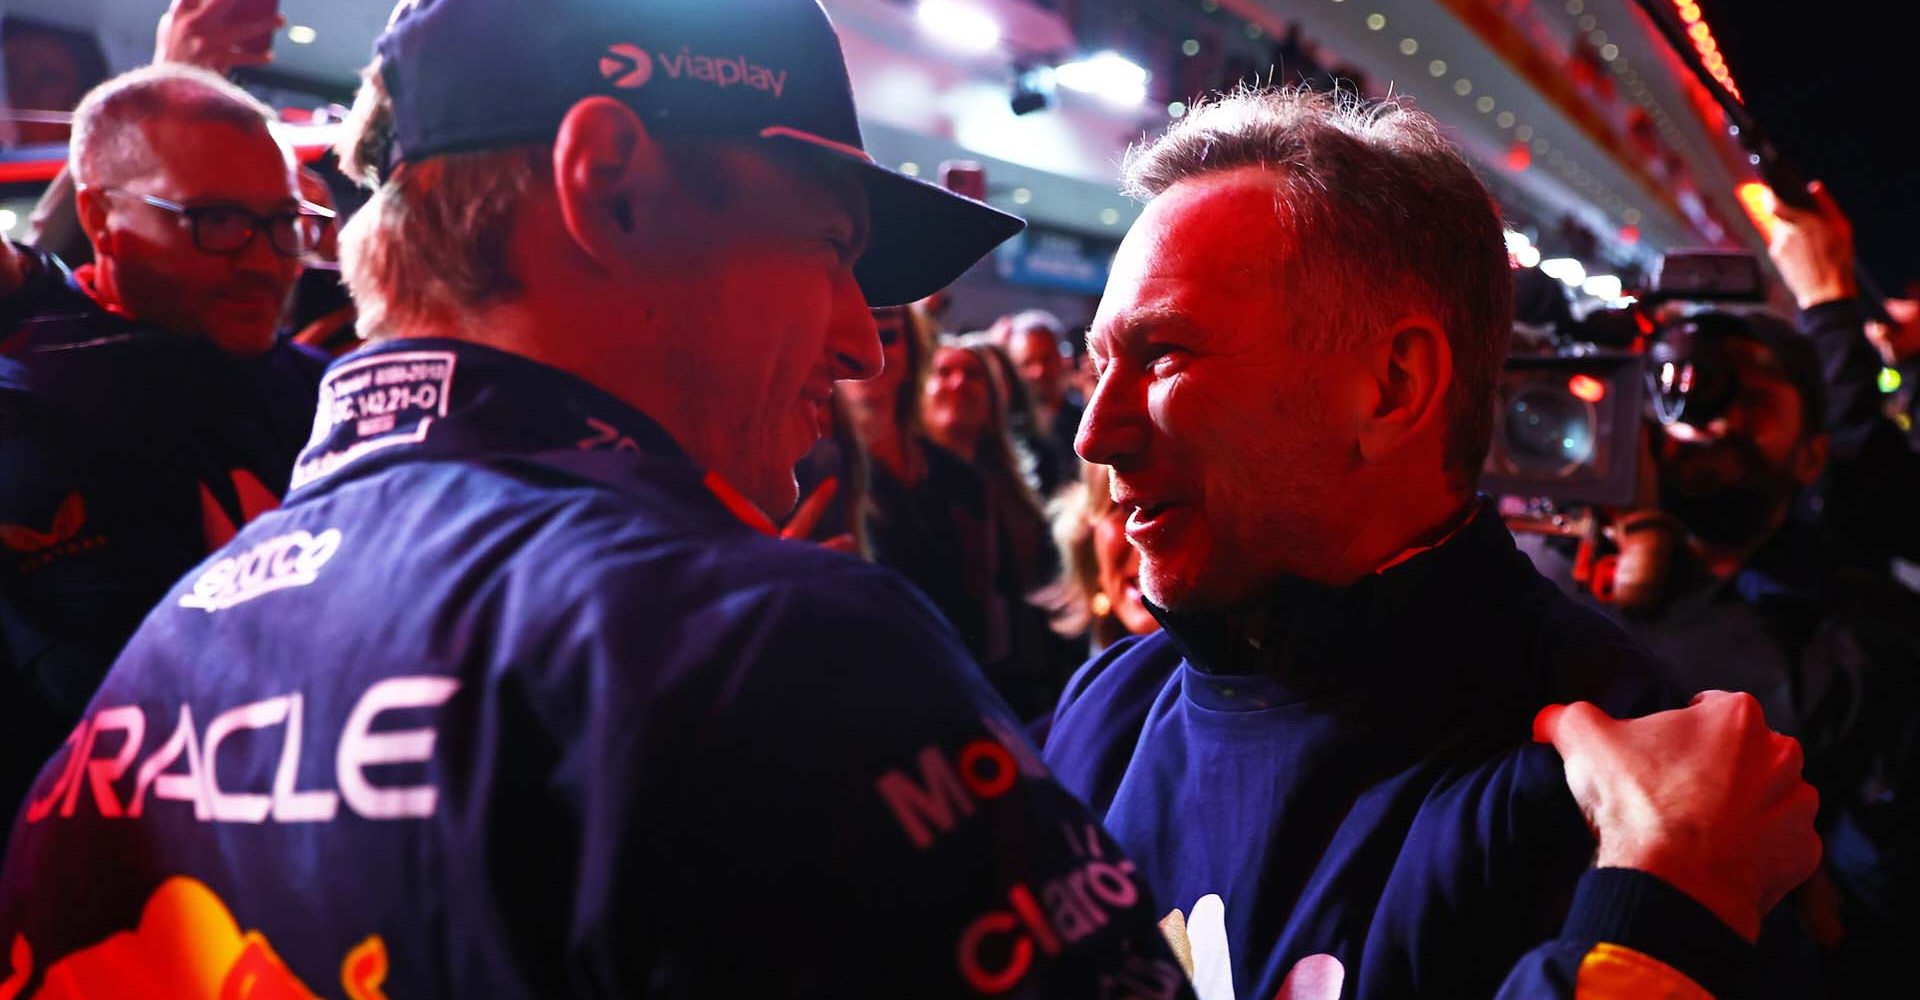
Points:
(1322, 760)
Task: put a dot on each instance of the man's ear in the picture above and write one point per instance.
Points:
(90, 204)
(607, 169)
(1810, 459)
(1412, 371)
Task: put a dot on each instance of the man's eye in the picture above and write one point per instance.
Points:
(1168, 360)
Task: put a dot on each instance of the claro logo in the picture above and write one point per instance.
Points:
(628, 66)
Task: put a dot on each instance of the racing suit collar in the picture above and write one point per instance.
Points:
(432, 398)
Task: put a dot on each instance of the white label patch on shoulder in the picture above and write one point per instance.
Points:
(374, 403)
(290, 560)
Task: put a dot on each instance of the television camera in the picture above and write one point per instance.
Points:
(1575, 392)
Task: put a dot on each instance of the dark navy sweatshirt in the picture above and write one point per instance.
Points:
(1352, 777)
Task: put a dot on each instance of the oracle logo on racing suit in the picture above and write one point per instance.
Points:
(102, 772)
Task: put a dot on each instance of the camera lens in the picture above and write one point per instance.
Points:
(1546, 429)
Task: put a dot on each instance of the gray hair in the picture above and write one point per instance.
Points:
(1396, 219)
(109, 144)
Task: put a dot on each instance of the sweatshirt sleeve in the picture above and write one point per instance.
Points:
(1631, 935)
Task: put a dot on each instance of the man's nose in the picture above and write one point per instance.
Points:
(1113, 428)
(853, 339)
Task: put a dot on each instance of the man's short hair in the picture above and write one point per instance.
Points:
(430, 244)
(1389, 217)
(109, 144)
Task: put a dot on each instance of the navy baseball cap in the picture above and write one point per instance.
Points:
(479, 74)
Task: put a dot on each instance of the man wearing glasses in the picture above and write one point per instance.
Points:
(147, 410)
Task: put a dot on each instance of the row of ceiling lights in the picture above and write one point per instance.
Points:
(1623, 69)
(1120, 81)
(1530, 143)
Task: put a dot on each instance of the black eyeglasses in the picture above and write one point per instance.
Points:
(230, 229)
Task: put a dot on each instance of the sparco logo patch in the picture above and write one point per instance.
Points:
(626, 66)
(290, 560)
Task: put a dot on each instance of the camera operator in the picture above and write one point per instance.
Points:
(1733, 591)
(1874, 473)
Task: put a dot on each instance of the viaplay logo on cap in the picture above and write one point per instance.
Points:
(628, 66)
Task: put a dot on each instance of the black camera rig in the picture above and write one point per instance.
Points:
(1569, 407)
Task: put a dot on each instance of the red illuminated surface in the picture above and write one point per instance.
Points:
(1705, 44)
(1587, 388)
(1757, 199)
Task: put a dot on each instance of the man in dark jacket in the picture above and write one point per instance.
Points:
(1322, 758)
(146, 410)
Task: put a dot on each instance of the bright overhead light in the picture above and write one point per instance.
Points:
(1517, 241)
(1569, 271)
(8, 219)
(300, 34)
(1110, 216)
(910, 168)
(1107, 75)
(1602, 286)
(1527, 257)
(959, 26)
(1021, 196)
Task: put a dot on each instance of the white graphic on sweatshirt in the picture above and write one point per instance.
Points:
(1199, 940)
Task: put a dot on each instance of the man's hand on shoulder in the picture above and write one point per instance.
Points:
(1706, 798)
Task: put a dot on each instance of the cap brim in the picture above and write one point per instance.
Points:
(921, 236)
